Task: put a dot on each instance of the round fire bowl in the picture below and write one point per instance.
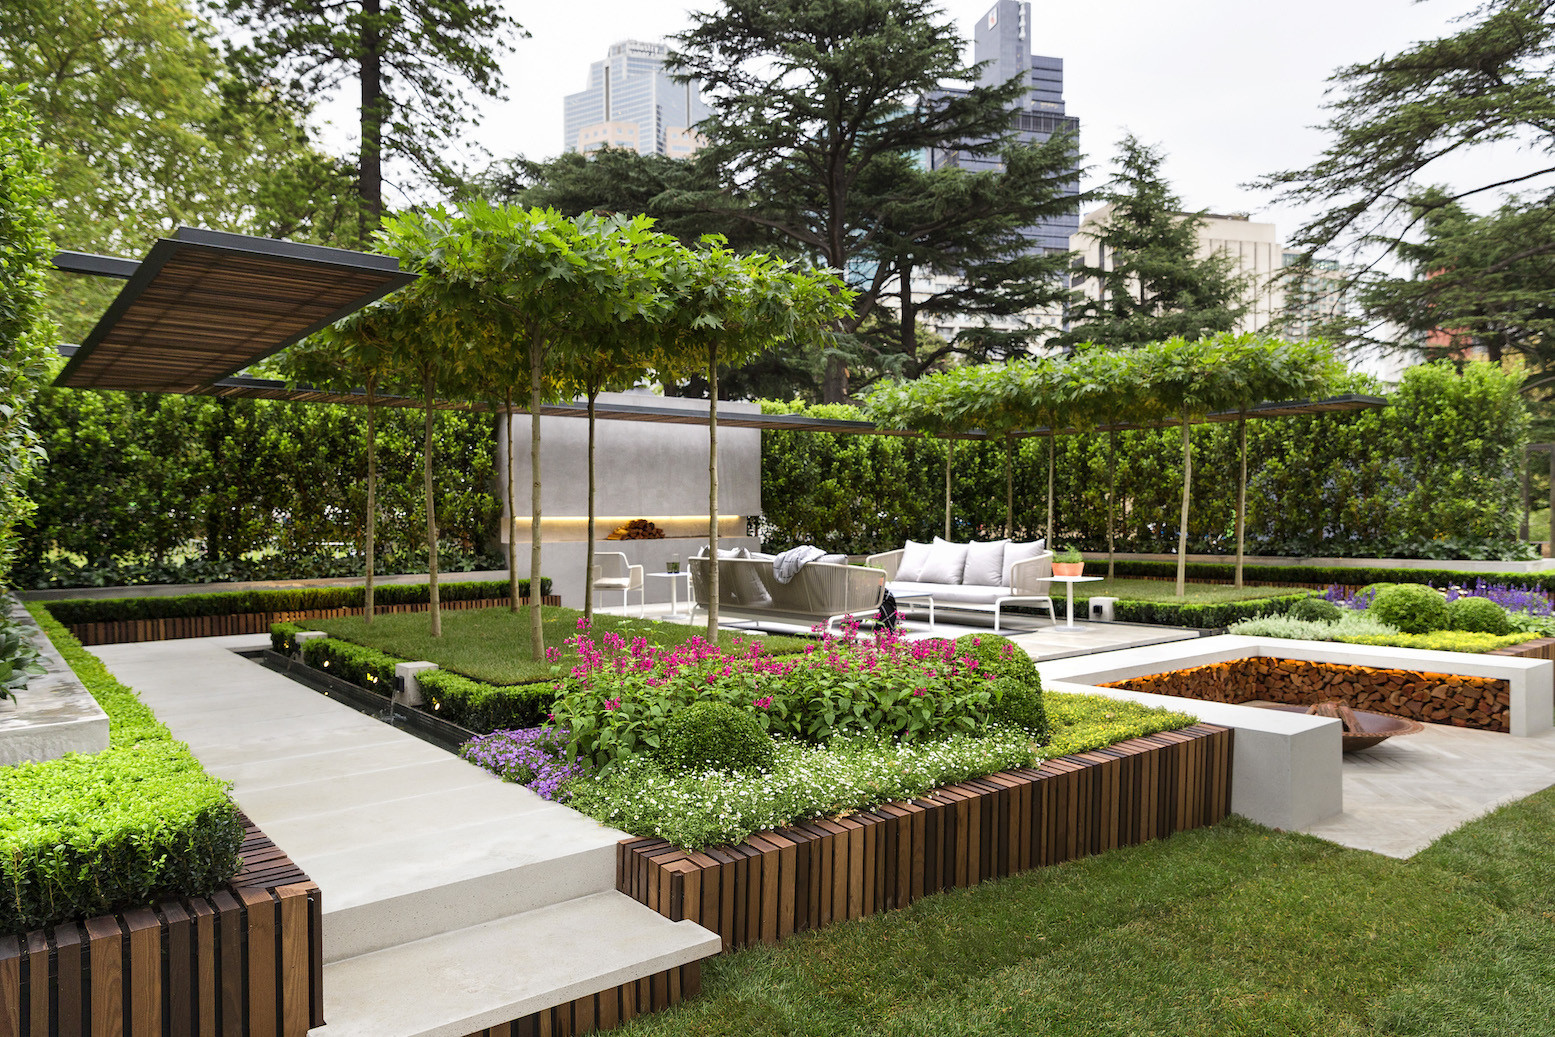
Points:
(1373, 727)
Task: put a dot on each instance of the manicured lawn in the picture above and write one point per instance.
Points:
(1232, 930)
(492, 645)
(1166, 590)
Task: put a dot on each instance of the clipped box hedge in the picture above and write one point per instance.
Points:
(288, 599)
(1325, 575)
(138, 822)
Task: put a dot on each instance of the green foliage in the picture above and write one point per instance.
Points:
(1020, 704)
(714, 736)
(489, 644)
(283, 637)
(1068, 555)
(27, 336)
(18, 659)
(1444, 641)
(410, 64)
(365, 667)
(1150, 283)
(1436, 474)
(138, 822)
(1348, 625)
(1456, 111)
(999, 656)
(1315, 610)
(813, 130)
(482, 707)
(1200, 615)
(805, 782)
(145, 478)
(1477, 615)
(228, 603)
(1410, 607)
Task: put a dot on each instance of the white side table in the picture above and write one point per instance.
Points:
(674, 579)
(1069, 582)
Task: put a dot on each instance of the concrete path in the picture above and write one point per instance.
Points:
(429, 866)
(1402, 795)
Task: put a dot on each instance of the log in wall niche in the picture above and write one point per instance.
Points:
(803, 877)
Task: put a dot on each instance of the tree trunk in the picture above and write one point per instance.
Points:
(512, 530)
(588, 552)
(536, 619)
(434, 607)
(712, 491)
(1009, 487)
(1182, 528)
(1112, 498)
(834, 385)
(372, 502)
(372, 115)
(1052, 442)
(1241, 497)
(950, 454)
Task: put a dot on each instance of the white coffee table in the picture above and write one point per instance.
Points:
(1069, 582)
(674, 579)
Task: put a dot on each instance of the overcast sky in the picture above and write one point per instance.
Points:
(1230, 88)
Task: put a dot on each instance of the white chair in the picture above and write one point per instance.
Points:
(613, 572)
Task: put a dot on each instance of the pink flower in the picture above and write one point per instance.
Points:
(612, 704)
(583, 622)
(918, 694)
(765, 702)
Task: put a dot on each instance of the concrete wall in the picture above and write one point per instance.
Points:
(650, 470)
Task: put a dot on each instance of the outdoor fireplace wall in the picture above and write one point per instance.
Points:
(649, 470)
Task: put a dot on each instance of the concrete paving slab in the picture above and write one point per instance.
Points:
(327, 763)
(463, 982)
(357, 790)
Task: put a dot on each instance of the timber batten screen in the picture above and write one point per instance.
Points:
(205, 304)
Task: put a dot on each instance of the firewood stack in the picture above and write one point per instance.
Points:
(637, 529)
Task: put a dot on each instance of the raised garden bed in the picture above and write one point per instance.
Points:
(247, 959)
(777, 883)
(1433, 698)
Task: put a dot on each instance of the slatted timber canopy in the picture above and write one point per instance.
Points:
(244, 388)
(205, 304)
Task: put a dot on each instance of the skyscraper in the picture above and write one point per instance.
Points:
(1001, 43)
(631, 102)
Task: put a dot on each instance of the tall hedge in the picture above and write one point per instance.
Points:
(27, 336)
(146, 476)
(1435, 474)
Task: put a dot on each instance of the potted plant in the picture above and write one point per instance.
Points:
(1068, 562)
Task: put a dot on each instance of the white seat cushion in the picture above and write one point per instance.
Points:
(946, 562)
(984, 564)
(619, 583)
(948, 593)
(914, 555)
(1019, 553)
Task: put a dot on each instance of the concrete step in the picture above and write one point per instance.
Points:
(461, 982)
(386, 893)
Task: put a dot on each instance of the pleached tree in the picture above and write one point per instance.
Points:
(726, 309)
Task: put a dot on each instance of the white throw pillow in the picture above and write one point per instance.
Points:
(1019, 553)
(984, 564)
(834, 559)
(946, 563)
(914, 555)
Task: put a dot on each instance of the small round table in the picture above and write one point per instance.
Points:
(674, 578)
(1069, 582)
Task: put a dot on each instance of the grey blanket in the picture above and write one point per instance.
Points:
(787, 565)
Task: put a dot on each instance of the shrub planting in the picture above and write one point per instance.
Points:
(1411, 608)
(714, 736)
(485, 707)
(139, 822)
(1315, 610)
(617, 698)
(535, 757)
(365, 667)
(1477, 615)
(301, 599)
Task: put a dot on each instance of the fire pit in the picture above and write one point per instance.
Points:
(1362, 728)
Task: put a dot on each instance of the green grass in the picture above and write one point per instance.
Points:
(1234, 930)
(1166, 590)
(492, 645)
(1539, 525)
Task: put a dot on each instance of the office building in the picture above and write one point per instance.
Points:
(631, 102)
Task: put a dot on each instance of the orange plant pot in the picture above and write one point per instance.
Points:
(1068, 568)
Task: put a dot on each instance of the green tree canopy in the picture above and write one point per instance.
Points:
(1149, 284)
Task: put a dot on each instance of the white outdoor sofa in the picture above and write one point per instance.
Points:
(979, 577)
(819, 593)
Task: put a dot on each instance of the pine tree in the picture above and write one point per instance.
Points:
(407, 58)
(1149, 283)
